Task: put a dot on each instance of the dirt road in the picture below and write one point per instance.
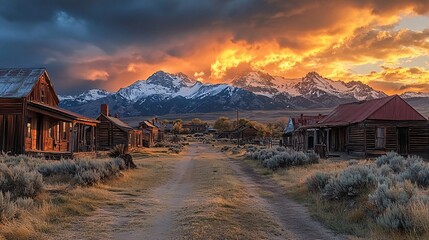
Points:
(205, 195)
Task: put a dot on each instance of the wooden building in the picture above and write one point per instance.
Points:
(112, 131)
(150, 133)
(244, 134)
(300, 141)
(374, 127)
(31, 121)
(192, 127)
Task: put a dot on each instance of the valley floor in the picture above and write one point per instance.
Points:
(198, 194)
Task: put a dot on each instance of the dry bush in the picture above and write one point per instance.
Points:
(84, 172)
(20, 181)
(281, 157)
(397, 199)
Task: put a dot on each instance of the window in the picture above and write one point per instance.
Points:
(29, 128)
(380, 138)
(64, 131)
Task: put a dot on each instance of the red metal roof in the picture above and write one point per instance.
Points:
(388, 108)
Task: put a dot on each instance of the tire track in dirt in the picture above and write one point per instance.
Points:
(291, 215)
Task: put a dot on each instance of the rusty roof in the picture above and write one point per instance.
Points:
(392, 108)
(18, 82)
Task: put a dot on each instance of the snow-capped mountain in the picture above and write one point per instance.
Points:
(407, 95)
(311, 86)
(86, 96)
(164, 93)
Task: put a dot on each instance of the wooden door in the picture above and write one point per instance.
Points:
(403, 140)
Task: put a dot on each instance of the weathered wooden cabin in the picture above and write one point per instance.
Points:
(243, 133)
(150, 132)
(31, 121)
(112, 131)
(192, 127)
(300, 141)
(375, 127)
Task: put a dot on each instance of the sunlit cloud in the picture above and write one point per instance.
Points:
(382, 43)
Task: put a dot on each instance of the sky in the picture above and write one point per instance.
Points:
(110, 44)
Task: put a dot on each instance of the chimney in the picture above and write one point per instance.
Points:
(104, 109)
(116, 115)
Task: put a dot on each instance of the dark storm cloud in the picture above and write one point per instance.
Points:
(65, 35)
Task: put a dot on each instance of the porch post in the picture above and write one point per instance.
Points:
(71, 140)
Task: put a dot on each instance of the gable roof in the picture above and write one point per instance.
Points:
(19, 82)
(117, 122)
(387, 108)
(148, 124)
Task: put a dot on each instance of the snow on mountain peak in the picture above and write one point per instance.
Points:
(89, 95)
(415, 95)
(257, 82)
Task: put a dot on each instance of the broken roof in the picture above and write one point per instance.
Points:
(18, 82)
(387, 108)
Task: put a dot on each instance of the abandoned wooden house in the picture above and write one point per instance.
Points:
(244, 134)
(298, 122)
(31, 121)
(112, 131)
(192, 127)
(373, 127)
(150, 133)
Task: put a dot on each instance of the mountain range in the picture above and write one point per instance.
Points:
(164, 93)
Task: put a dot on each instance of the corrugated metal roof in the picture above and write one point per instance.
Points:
(388, 108)
(18, 82)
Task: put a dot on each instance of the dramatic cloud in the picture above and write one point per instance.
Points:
(110, 44)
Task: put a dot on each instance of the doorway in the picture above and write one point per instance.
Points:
(403, 140)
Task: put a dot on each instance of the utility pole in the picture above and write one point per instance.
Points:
(238, 132)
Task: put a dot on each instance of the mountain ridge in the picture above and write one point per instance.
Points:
(163, 93)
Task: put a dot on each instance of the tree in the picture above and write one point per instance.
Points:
(197, 121)
(178, 126)
(223, 124)
(276, 128)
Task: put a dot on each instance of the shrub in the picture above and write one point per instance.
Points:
(317, 182)
(395, 161)
(117, 151)
(281, 157)
(20, 181)
(385, 196)
(8, 208)
(85, 172)
(396, 217)
(349, 182)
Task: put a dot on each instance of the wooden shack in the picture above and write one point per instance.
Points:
(31, 121)
(150, 132)
(305, 139)
(375, 127)
(112, 131)
(192, 127)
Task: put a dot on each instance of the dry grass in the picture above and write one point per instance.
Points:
(331, 214)
(350, 216)
(61, 205)
(223, 208)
